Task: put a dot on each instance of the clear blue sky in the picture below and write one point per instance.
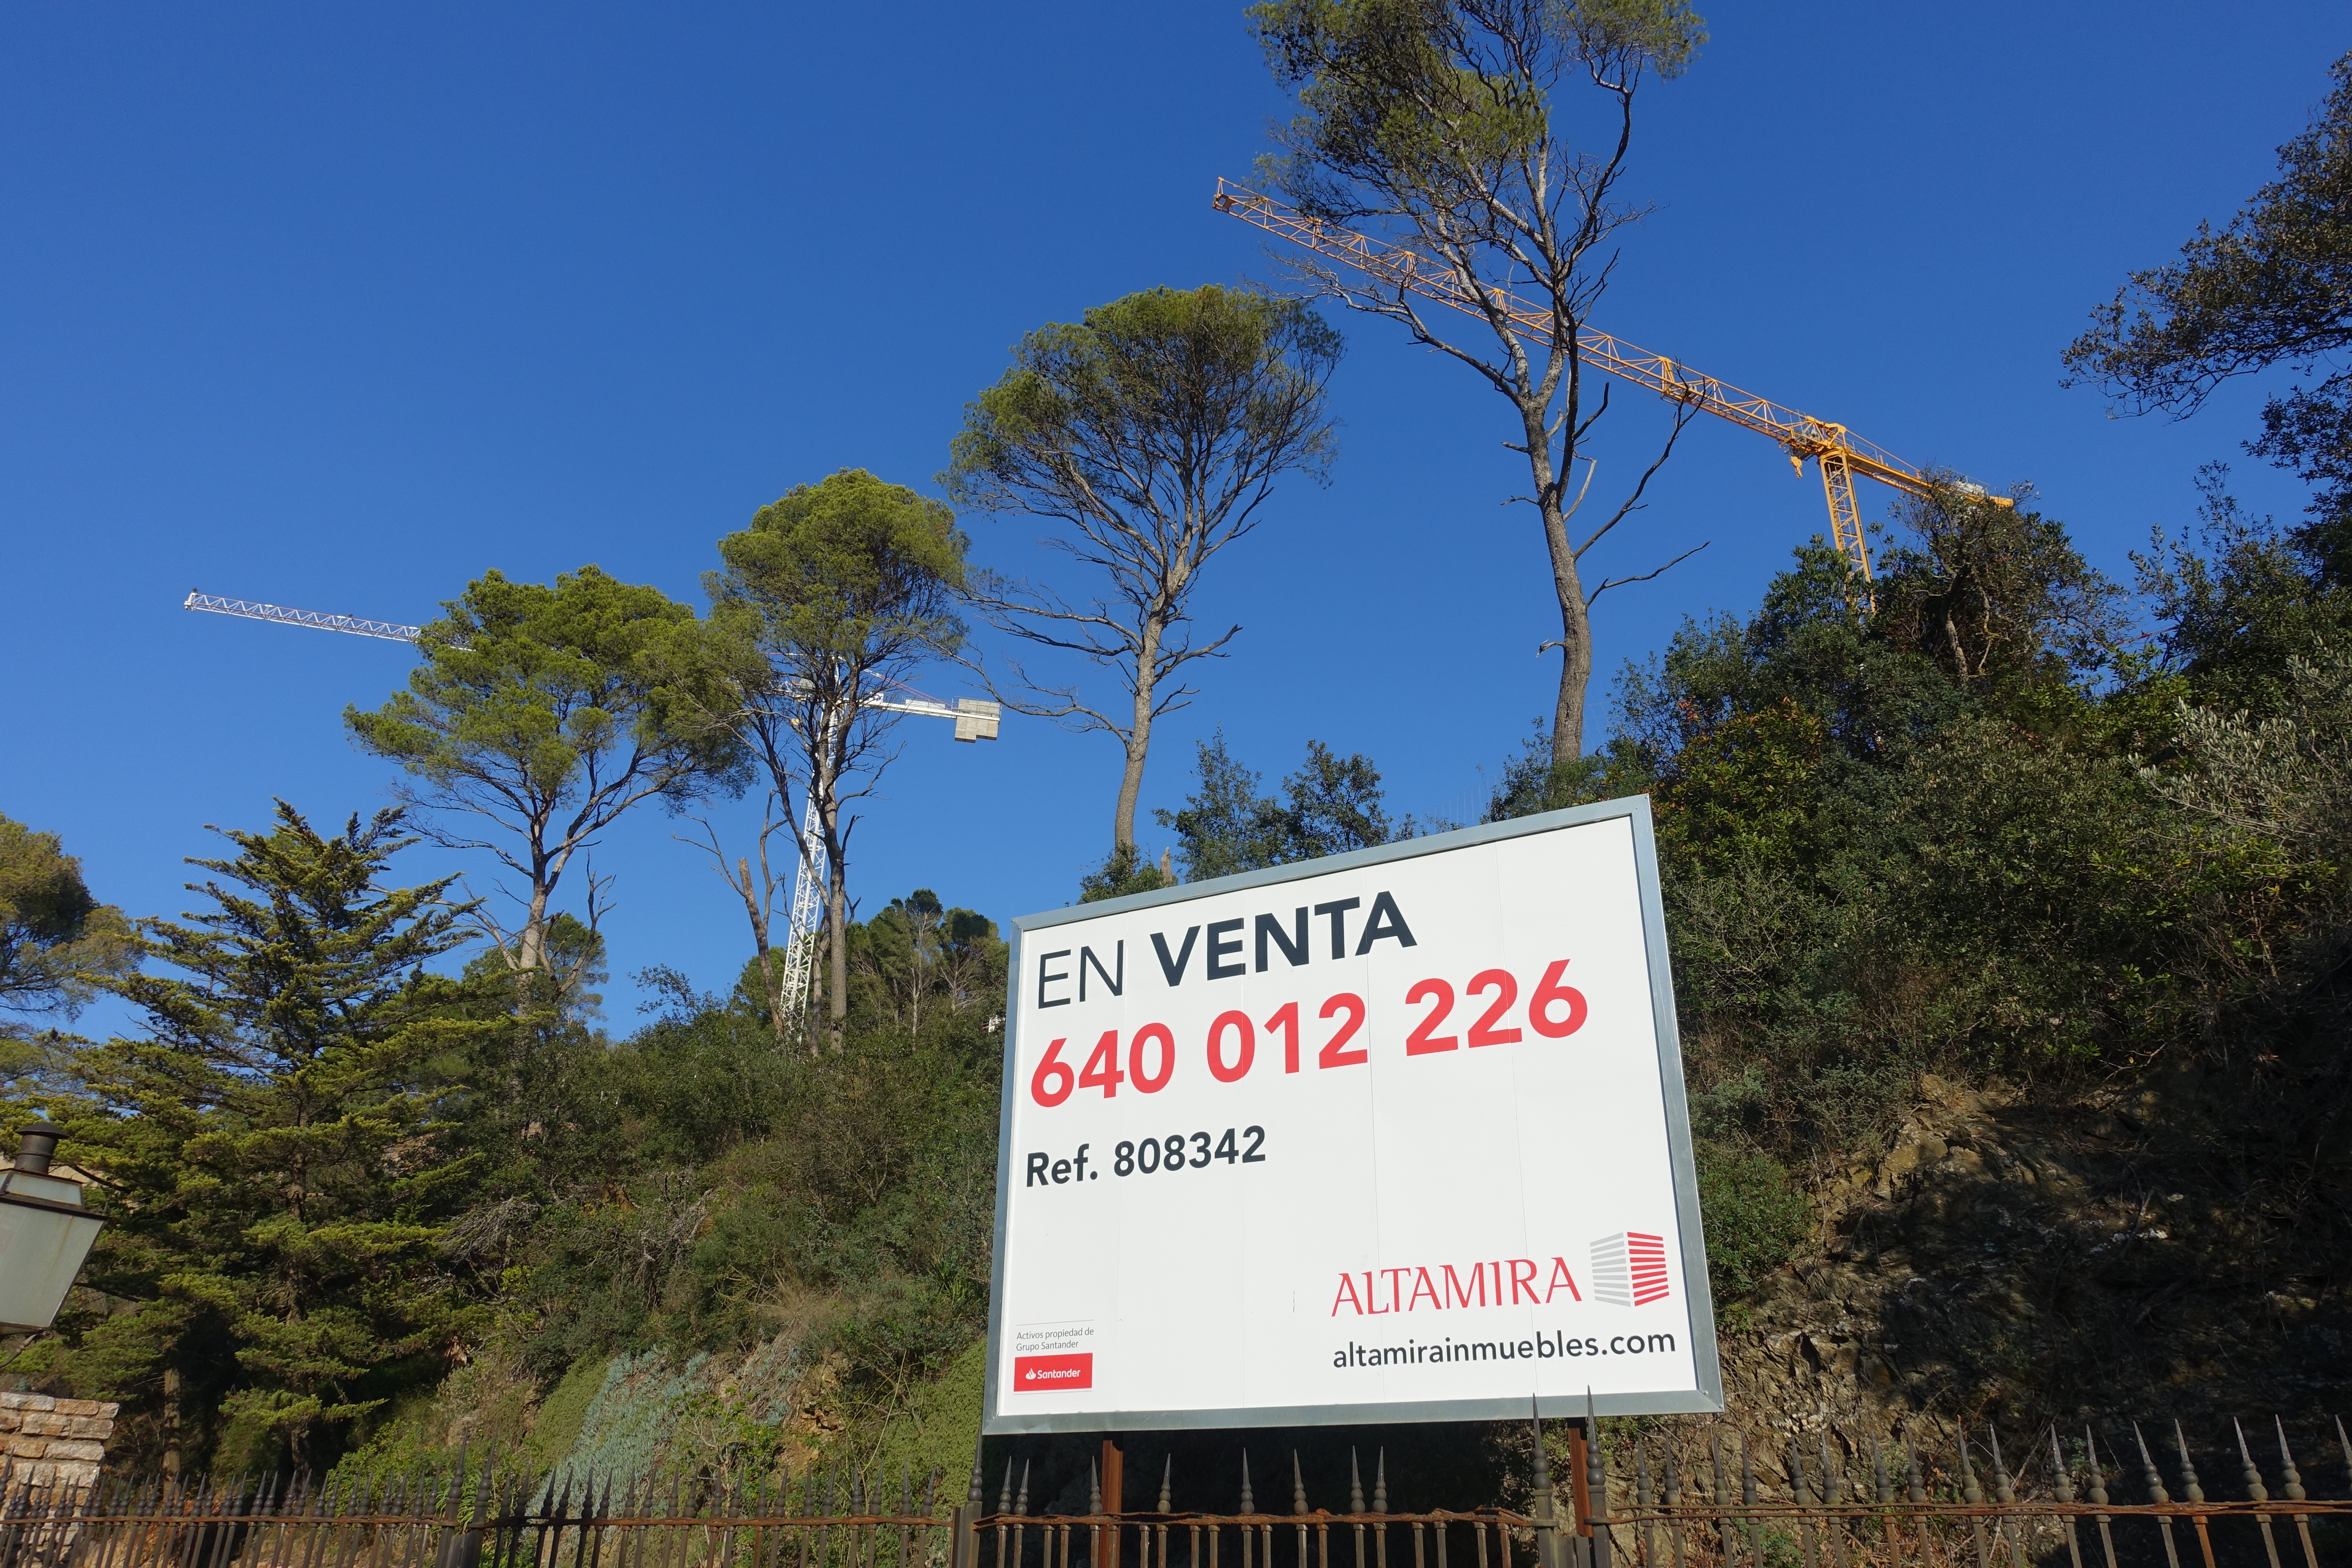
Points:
(338, 305)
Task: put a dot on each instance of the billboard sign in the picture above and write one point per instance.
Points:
(1394, 1135)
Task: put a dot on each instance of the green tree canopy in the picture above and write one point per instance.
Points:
(574, 952)
(544, 714)
(1152, 433)
(270, 1152)
(834, 593)
(1330, 806)
(56, 940)
(924, 958)
(2273, 287)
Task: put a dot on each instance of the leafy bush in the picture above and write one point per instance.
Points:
(847, 1197)
(1755, 1217)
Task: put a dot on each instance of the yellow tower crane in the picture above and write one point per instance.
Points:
(1837, 452)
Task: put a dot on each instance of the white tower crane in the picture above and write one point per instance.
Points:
(975, 720)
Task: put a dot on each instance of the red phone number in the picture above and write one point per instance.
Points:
(1553, 1010)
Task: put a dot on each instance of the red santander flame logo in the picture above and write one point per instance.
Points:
(1045, 1373)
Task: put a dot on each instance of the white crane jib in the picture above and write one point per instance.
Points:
(975, 720)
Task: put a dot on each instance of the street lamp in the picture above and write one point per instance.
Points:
(44, 1234)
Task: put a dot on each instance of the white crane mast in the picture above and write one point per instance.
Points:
(975, 720)
(808, 903)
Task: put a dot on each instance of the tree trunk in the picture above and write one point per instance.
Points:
(1130, 788)
(530, 958)
(1576, 643)
(836, 913)
(1139, 738)
(525, 993)
(836, 926)
(531, 943)
(1567, 586)
(171, 1414)
(768, 990)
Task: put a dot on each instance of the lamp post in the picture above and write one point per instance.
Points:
(44, 1234)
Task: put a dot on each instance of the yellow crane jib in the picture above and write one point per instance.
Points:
(1837, 452)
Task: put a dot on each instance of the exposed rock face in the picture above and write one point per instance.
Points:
(2129, 1253)
(48, 1443)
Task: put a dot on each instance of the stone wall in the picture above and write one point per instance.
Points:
(47, 1442)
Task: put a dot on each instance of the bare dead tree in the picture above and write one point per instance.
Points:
(757, 891)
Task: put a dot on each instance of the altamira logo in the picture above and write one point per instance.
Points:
(1629, 1269)
(1502, 1282)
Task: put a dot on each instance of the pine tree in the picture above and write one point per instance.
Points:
(275, 1153)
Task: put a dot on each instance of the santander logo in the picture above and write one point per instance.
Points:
(1629, 1269)
(1047, 1373)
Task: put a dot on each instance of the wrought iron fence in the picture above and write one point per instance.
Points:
(1702, 1494)
(1679, 1495)
(837, 1518)
(2068, 1502)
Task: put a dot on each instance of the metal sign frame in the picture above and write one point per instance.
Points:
(1708, 1399)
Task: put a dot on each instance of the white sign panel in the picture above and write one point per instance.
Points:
(1394, 1135)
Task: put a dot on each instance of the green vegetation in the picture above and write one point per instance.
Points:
(1330, 807)
(362, 1210)
(57, 944)
(1970, 840)
(2009, 939)
(274, 1154)
(56, 941)
(1756, 1217)
(337, 1180)
(2271, 287)
(1332, 804)
(1978, 833)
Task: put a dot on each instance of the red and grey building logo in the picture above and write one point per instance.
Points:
(1629, 1269)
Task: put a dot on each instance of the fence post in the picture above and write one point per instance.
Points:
(1297, 1511)
(1596, 1488)
(1801, 1493)
(2294, 1493)
(1545, 1508)
(2099, 1495)
(2155, 1493)
(964, 1551)
(1249, 1506)
(2062, 1483)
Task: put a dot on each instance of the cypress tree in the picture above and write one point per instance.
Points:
(275, 1153)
